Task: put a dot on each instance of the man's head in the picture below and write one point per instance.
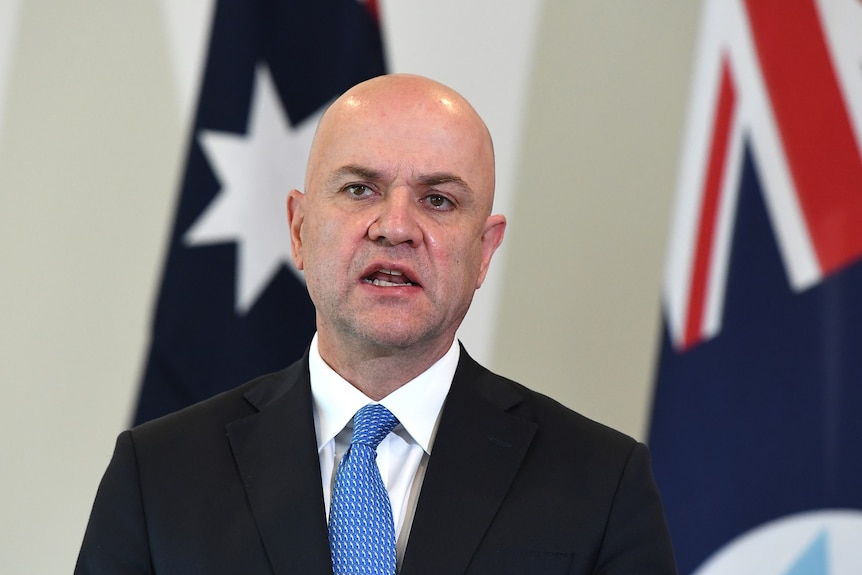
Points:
(394, 230)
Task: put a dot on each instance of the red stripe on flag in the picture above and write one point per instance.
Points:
(371, 6)
(715, 174)
(814, 124)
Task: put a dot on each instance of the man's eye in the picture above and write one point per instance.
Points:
(439, 202)
(358, 190)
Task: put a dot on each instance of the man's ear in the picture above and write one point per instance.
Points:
(492, 237)
(295, 218)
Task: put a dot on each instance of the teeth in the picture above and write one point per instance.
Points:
(385, 283)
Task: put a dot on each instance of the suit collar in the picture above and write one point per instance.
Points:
(417, 404)
(274, 450)
(478, 450)
(477, 453)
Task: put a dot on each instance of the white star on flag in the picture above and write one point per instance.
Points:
(256, 171)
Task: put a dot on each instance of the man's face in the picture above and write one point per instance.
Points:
(393, 232)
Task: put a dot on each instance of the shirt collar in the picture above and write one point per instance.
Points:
(416, 404)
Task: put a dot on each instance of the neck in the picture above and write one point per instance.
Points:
(377, 371)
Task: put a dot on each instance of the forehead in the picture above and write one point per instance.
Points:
(410, 134)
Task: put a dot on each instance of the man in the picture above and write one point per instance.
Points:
(394, 233)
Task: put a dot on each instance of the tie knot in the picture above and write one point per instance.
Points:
(371, 424)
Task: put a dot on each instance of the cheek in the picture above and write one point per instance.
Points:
(330, 244)
(319, 234)
(314, 248)
(460, 261)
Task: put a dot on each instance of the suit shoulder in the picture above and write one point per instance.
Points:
(553, 414)
(555, 421)
(214, 413)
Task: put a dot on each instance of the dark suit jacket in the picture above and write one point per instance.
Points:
(516, 484)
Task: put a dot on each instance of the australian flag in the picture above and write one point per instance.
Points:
(757, 424)
(231, 306)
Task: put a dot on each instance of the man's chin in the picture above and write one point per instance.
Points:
(393, 341)
(396, 337)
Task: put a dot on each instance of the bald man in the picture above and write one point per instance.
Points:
(394, 233)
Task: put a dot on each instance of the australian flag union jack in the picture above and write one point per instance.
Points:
(758, 406)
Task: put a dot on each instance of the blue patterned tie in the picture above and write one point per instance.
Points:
(361, 529)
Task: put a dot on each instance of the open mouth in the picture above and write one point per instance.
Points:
(388, 278)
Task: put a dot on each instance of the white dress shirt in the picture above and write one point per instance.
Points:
(403, 455)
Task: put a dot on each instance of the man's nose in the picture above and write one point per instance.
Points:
(397, 221)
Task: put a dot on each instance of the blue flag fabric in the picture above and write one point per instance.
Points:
(757, 415)
(219, 319)
(765, 420)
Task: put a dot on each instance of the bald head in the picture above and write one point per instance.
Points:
(418, 112)
(394, 230)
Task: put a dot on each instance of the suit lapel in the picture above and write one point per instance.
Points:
(276, 453)
(476, 454)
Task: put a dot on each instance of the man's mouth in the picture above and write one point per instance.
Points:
(388, 278)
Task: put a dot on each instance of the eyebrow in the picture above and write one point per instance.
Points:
(443, 178)
(353, 171)
(434, 179)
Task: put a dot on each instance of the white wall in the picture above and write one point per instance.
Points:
(585, 100)
(580, 305)
(88, 154)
